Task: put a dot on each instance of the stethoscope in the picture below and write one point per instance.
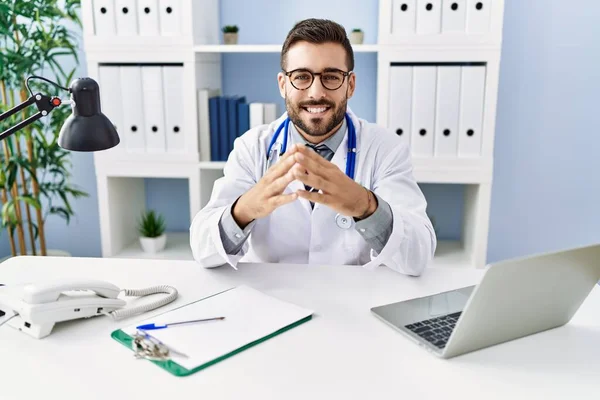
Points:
(341, 221)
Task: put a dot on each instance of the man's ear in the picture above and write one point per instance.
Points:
(351, 84)
(281, 84)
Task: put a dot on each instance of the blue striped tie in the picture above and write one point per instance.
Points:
(324, 152)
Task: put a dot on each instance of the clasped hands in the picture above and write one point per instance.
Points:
(299, 162)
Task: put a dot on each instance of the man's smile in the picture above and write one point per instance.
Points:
(316, 111)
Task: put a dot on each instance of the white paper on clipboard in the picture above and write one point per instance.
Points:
(250, 315)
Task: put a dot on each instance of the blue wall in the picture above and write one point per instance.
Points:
(546, 190)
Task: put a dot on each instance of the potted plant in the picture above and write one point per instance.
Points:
(357, 36)
(230, 34)
(34, 170)
(151, 228)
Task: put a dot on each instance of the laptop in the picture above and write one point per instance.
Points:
(515, 298)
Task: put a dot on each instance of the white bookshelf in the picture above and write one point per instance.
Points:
(177, 248)
(196, 47)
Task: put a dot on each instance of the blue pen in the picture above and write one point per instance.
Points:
(153, 326)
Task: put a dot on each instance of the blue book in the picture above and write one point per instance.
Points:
(223, 128)
(213, 111)
(232, 109)
(243, 118)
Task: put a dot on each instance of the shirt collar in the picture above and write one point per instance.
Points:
(333, 141)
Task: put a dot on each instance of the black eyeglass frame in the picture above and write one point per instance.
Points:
(320, 74)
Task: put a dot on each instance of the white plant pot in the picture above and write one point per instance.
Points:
(230, 38)
(357, 37)
(153, 245)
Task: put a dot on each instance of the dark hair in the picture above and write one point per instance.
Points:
(318, 31)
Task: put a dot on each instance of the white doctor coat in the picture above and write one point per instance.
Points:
(295, 233)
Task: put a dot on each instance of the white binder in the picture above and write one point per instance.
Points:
(447, 111)
(269, 112)
(133, 108)
(126, 18)
(104, 17)
(471, 111)
(454, 14)
(400, 104)
(172, 77)
(170, 17)
(256, 114)
(429, 16)
(154, 115)
(204, 121)
(423, 117)
(478, 16)
(147, 12)
(404, 17)
(110, 100)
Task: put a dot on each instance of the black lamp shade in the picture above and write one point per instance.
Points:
(87, 129)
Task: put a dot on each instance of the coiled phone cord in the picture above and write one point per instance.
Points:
(128, 312)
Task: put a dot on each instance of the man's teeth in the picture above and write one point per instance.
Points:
(316, 110)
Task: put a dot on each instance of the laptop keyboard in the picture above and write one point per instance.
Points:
(437, 330)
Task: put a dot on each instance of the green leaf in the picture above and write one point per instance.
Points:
(12, 174)
(9, 216)
(30, 200)
(63, 196)
(61, 212)
(151, 224)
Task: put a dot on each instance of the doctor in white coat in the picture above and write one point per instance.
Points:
(351, 199)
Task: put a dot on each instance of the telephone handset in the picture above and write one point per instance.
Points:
(50, 291)
(34, 308)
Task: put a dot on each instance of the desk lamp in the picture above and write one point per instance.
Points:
(86, 129)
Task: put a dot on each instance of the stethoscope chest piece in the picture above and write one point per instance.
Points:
(343, 221)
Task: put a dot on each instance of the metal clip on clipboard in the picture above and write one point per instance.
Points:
(150, 348)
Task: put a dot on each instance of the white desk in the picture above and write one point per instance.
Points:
(342, 353)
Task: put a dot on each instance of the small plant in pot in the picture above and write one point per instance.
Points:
(357, 36)
(230, 34)
(151, 228)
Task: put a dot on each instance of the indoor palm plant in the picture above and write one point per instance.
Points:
(151, 228)
(35, 171)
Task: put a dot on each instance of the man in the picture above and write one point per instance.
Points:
(312, 195)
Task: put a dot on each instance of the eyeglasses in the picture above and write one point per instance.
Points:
(302, 79)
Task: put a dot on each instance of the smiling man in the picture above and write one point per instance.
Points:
(319, 185)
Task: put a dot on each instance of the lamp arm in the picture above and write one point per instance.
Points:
(18, 108)
(44, 104)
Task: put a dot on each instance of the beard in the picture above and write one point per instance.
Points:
(316, 126)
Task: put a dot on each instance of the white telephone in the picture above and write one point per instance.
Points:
(34, 308)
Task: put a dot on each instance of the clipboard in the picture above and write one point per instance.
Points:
(251, 318)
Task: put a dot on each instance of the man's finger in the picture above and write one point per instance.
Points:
(312, 165)
(278, 185)
(315, 197)
(310, 178)
(313, 157)
(289, 152)
(280, 168)
(282, 199)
